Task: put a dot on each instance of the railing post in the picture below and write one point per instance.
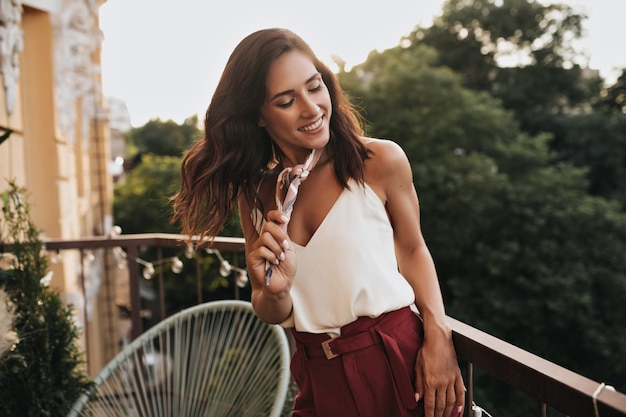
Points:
(234, 280)
(135, 299)
(198, 279)
(161, 289)
(469, 400)
(81, 254)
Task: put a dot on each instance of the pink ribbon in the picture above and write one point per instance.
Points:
(290, 178)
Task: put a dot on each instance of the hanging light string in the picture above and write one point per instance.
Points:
(149, 270)
(241, 275)
(149, 267)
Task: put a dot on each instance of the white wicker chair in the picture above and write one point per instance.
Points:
(214, 359)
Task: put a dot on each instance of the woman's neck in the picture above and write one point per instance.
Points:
(287, 162)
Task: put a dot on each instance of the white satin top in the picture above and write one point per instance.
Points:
(348, 268)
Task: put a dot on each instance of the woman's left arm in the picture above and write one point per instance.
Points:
(439, 381)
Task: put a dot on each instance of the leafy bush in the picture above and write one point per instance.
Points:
(41, 372)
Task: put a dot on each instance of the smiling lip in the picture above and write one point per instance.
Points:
(313, 126)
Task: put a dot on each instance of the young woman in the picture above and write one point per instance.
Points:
(346, 265)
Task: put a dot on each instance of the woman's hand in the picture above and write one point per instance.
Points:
(439, 382)
(272, 248)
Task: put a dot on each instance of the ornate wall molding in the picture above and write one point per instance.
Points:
(49, 6)
(11, 44)
(77, 38)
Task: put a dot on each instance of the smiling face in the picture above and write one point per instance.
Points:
(297, 108)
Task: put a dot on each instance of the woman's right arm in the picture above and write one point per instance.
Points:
(272, 303)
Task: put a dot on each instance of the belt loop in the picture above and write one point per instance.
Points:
(375, 333)
(302, 349)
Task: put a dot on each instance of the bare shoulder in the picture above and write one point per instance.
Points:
(386, 158)
(387, 169)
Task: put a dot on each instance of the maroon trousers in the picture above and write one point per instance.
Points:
(369, 371)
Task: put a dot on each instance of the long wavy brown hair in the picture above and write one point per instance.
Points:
(235, 153)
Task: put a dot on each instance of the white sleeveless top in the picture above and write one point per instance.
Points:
(348, 268)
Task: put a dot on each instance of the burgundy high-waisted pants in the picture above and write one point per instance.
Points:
(372, 376)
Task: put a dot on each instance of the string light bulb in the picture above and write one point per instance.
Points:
(177, 265)
(225, 267)
(148, 271)
(115, 231)
(241, 278)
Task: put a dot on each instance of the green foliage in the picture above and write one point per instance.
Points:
(614, 101)
(165, 138)
(141, 198)
(523, 251)
(43, 375)
(425, 108)
(596, 141)
(521, 52)
(476, 38)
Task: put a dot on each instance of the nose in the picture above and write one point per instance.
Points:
(309, 107)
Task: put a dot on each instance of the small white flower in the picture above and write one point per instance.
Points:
(45, 281)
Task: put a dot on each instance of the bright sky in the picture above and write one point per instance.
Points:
(164, 57)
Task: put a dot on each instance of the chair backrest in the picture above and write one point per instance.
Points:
(213, 359)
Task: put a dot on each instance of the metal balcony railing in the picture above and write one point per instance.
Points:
(551, 385)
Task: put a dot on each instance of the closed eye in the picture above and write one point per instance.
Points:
(289, 93)
(285, 105)
(316, 89)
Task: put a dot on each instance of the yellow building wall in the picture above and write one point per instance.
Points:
(65, 174)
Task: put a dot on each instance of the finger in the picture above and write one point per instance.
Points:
(265, 249)
(440, 403)
(419, 392)
(277, 216)
(275, 229)
(258, 272)
(279, 236)
(430, 407)
(272, 253)
(450, 403)
(419, 381)
(459, 388)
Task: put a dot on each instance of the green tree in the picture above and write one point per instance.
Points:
(164, 138)
(522, 250)
(614, 99)
(596, 141)
(521, 52)
(141, 198)
(43, 374)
